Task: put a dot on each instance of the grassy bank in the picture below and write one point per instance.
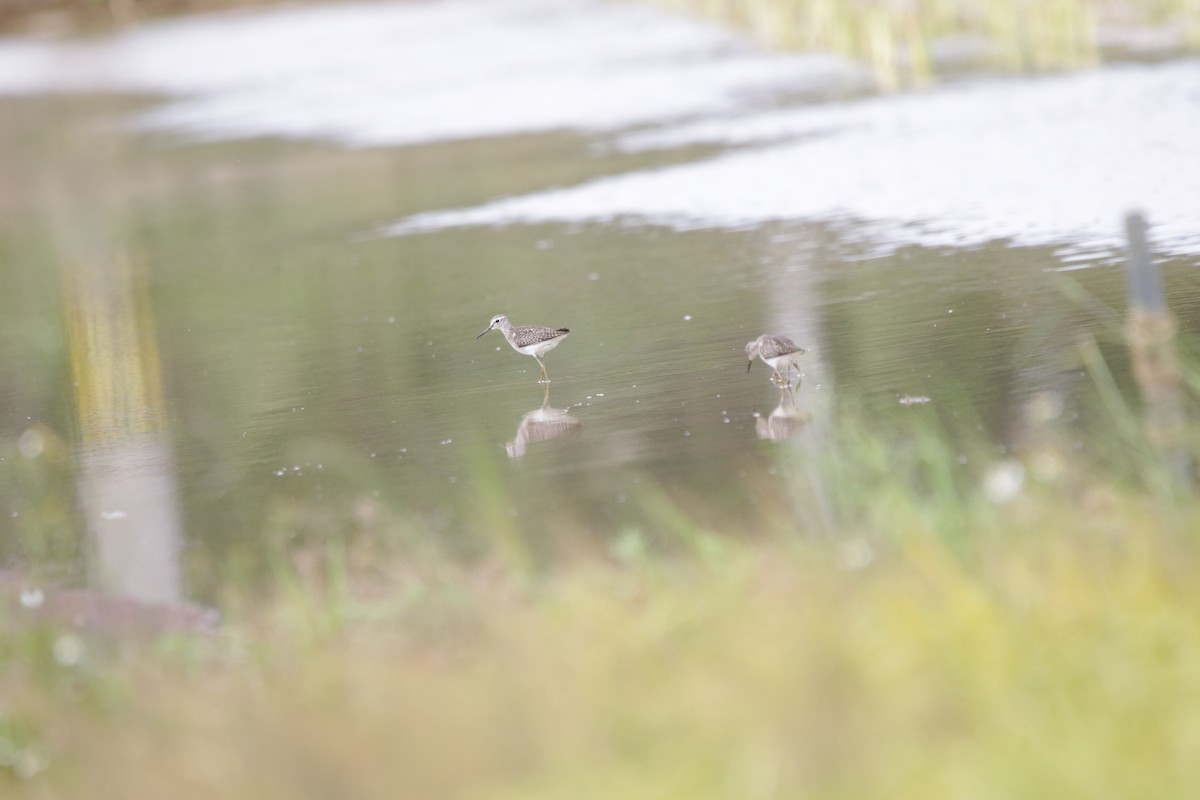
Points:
(79, 15)
(945, 642)
(908, 42)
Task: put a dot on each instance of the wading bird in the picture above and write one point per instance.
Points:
(778, 352)
(531, 340)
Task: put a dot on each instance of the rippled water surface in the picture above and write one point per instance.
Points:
(242, 278)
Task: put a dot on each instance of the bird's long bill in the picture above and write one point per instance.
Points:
(482, 333)
(749, 364)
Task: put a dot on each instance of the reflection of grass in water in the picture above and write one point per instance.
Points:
(897, 37)
(944, 639)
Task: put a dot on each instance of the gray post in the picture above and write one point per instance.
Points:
(1150, 335)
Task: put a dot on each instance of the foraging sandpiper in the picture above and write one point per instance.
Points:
(778, 352)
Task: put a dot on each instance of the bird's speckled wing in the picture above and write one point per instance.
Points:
(775, 346)
(525, 335)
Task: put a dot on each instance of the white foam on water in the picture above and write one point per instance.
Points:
(400, 73)
(1035, 160)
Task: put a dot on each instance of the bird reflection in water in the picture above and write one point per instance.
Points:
(785, 421)
(541, 424)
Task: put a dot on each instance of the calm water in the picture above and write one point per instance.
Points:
(238, 306)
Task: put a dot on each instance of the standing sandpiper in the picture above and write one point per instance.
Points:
(778, 352)
(532, 340)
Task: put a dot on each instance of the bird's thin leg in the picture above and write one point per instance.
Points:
(545, 377)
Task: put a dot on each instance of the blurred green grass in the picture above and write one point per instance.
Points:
(939, 641)
(908, 43)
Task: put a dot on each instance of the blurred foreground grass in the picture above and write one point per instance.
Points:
(940, 644)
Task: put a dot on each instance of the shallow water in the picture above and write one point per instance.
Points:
(239, 305)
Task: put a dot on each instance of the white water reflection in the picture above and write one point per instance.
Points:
(126, 476)
(1037, 161)
(399, 73)
(129, 498)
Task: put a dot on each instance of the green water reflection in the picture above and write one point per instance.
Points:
(319, 383)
